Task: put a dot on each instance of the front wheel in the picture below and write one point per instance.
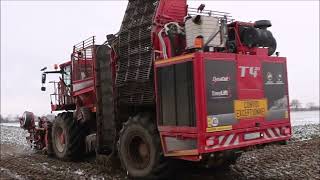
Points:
(139, 149)
(67, 137)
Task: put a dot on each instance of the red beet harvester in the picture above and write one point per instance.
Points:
(174, 83)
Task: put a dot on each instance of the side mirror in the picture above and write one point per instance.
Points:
(43, 69)
(43, 78)
(43, 88)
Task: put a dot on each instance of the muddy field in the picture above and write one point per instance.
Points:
(299, 159)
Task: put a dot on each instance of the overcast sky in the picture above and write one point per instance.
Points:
(37, 34)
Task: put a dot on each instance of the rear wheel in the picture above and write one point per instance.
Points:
(67, 137)
(83, 115)
(140, 150)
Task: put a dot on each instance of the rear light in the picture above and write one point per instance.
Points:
(212, 141)
(286, 115)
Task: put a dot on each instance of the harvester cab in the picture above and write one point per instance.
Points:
(76, 79)
(174, 82)
(61, 97)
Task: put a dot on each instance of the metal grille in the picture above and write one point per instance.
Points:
(134, 50)
(82, 57)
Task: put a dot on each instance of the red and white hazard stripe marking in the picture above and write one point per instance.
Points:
(234, 139)
(223, 140)
(274, 133)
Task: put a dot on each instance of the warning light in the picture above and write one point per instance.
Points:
(198, 42)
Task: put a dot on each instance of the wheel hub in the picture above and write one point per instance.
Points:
(138, 152)
(143, 150)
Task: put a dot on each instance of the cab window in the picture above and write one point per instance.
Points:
(67, 75)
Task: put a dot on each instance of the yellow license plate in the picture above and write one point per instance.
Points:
(246, 109)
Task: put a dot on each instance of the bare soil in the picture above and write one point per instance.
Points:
(299, 159)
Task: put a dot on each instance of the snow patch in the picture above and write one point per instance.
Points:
(304, 117)
(10, 174)
(305, 132)
(16, 124)
(14, 135)
(79, 172)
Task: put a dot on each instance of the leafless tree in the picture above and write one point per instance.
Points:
(310, 105)
(295, 104)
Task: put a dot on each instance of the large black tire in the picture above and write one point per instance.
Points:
(72, 145)
(262, 24)
(139, 149)
(105, 112)
(83, 115)
(27, 120)
(50, 151)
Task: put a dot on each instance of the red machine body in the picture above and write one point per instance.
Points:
(245, 130)
(167, 11)
(247, 67)
(38, 134)
(76, 87)
(251, 88)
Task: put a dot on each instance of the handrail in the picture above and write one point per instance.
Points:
(57, 98)
(217, 14)
(89, 42)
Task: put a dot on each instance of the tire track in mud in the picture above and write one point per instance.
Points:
(38, 166)
(30, 167)
(297, 160)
